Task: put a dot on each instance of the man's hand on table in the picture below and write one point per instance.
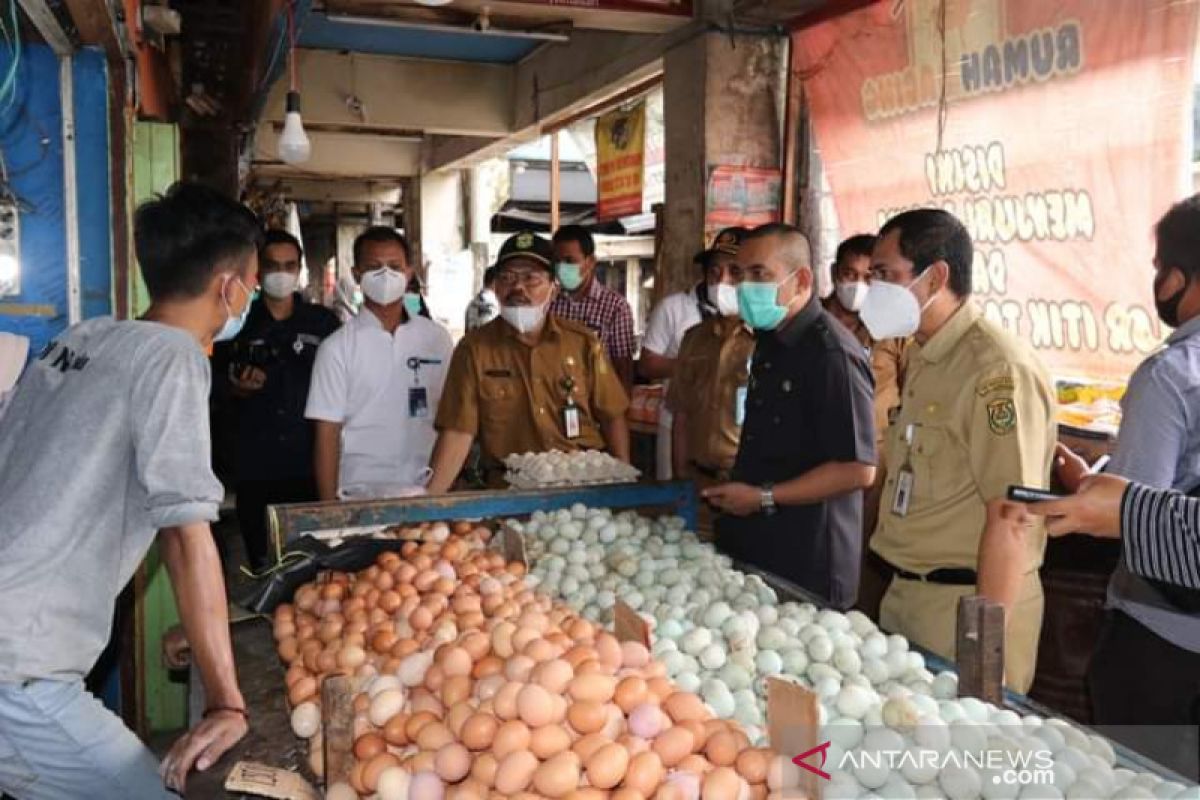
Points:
(202, 746)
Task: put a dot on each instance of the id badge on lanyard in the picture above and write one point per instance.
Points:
(739, 398)
(570, 411)
(905, 477)
(418, 395)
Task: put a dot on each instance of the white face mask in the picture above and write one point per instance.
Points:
(279, 285)
(724, 297)
(384, 285)
(525, 319)
(851, 294)
(890, 311)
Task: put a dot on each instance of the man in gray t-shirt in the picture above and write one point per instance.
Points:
(104, 449)
(1159, 446)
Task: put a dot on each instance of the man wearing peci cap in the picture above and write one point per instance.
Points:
(707, 398)
(671, 319)
(528, 381)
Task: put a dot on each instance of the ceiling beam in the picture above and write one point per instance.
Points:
(556, 84)
(398, 94)
(341, 155)
(97, 27)
(42, 17)
(333, 190)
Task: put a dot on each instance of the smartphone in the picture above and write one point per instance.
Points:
(1025, 494)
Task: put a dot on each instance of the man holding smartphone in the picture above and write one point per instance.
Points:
(263, 377)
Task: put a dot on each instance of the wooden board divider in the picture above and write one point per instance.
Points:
(512, 545)
(629, 625)
(793, 728)
(337, 725)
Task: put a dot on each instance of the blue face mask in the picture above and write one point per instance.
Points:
(412, 304)
(233, 325)
(758, 304)
(569, 275)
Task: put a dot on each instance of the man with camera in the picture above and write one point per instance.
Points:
(264, 373)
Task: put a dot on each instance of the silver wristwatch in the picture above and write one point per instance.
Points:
(766, 503)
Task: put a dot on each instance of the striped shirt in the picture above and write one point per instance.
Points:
(605, 312)
(1160, 531)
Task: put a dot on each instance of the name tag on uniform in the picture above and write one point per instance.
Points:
(571, 421)
(418, 402)
(739, 406)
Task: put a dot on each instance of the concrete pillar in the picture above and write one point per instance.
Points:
(479, 220)
(721, 107)
(441, 221)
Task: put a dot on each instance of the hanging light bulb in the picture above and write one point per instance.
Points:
(294, 147)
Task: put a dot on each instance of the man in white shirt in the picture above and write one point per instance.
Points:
(377, 382)
(675, 316)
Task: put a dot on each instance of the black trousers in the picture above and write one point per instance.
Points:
(253, 497)
(1146, 694)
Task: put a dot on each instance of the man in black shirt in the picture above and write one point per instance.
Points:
(794, 506)
(264, 374)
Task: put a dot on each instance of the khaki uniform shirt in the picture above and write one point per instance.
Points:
(889, 362)
(889, 365)
(511, 396)
(979, 409)
(711, 373)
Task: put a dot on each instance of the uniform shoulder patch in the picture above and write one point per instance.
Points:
(1002, 384)
(1002, 416)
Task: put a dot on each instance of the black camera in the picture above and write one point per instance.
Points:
(254, 354)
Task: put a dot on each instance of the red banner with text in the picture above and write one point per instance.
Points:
(1064, 133)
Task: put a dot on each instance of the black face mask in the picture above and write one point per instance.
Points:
(1168, 310)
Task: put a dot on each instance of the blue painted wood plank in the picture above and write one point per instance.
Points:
(289, 522)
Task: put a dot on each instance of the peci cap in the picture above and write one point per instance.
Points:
(527, 244)
(728, 241)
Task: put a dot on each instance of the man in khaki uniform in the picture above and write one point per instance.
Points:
(708, 393)
(977, 416)
(528, 381)
(889, 359)
(851, 272)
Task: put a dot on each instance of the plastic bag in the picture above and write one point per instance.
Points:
(304, 559)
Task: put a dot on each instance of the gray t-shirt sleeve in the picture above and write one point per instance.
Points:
(172, 449)
(1153, 428)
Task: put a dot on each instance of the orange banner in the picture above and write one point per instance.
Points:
(620, 162)
(1064, 132)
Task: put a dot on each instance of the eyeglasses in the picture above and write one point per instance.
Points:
(531, 279)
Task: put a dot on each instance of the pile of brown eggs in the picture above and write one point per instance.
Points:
(475, 687)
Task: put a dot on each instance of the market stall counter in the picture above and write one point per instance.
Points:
(653, 565)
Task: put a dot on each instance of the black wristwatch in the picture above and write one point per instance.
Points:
(766, 503)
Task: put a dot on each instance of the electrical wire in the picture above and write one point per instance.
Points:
(291, 34)
(8, 87)
(14, 69)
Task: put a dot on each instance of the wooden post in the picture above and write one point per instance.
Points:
(791, 143)
(555, 184)
(981, 649)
